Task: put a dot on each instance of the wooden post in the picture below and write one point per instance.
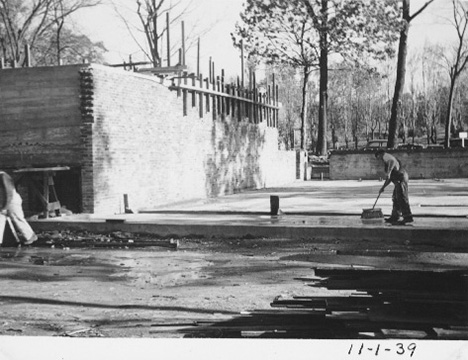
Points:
(183, 43)
(274, 205)
(127, 209)
(180, 57)
(214, 106)
(255, 94)
(242, 62)
(213, 71)
(273, 100)
(239, 115)
(200, 106)
(268, 117)
(218, 98)
(277, 104)
(179, 82)
(251, 106)
(262, 107)
(228, 102)
(194, 97)
(223, 90)
(210, 75)
(184, 94)
(233, 101)
(213, 87)
(168, 40)
(207, 80)
(198, 57)
(2, 63)
(240, 94)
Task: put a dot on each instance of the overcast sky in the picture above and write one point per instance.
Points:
(214, 18)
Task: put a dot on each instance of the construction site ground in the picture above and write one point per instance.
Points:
(156, 273)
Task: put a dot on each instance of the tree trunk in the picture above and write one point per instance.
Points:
(323, 91)
(448, 122)
(305, 104)
(156, 60)
(400, 79)
(58, 39)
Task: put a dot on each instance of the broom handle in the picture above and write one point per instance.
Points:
(376, 201)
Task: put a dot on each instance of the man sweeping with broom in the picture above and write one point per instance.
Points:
(396, 174)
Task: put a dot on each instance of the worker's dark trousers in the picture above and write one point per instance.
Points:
(400, 197)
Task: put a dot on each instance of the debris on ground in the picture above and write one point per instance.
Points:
(116, 239)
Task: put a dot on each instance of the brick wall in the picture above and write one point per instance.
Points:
(126, 134)
(143, 146)
(428, 163)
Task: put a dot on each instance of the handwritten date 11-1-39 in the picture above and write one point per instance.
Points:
(377, 349)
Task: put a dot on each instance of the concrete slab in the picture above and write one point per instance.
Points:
(311, 209)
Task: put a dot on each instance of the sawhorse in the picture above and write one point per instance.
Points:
(45, 189)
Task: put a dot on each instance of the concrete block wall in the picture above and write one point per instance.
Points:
(427, 163)
(144, 147)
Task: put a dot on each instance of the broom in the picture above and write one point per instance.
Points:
(372, 213)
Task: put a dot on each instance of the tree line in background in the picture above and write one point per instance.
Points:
(338, 79)
(45, 27)
(334, 61)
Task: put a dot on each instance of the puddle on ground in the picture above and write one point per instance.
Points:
(55, 264)
(50, 257)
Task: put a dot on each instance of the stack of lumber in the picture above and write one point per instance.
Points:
(362, 303)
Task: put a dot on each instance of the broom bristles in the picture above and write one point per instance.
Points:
(372, 214)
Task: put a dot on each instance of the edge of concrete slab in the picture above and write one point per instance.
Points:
(445, 239)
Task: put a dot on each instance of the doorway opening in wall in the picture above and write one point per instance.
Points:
(63, 193)
(68, 187)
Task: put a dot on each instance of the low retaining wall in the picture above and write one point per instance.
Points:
(423, 164)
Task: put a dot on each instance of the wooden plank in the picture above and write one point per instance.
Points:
(212, 92)
(163, 70)
(44, 169)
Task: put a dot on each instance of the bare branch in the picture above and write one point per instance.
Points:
(420, 10)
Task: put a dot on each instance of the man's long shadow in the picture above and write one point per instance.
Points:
(44, 301)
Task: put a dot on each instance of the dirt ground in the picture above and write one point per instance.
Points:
(123, 291)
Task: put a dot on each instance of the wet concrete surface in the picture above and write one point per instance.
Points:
(130, 292)
(308, 209)
(133, 292)
(121, 293)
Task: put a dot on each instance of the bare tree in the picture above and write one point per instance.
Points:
(25, 22)
(22, 22)
(457, 63)
(401, 68)
(155, 17)
(60, 11)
